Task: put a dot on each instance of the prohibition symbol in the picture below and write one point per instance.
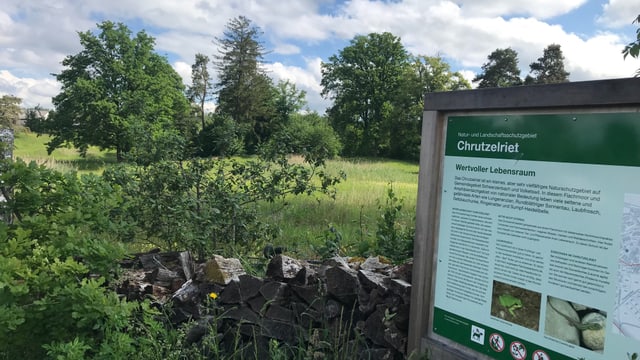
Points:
(518, 351)
(496, 342)
(540, 355)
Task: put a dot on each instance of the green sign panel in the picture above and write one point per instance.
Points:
(611, 139)
(539, 242)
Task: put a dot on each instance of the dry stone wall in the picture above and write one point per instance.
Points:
(342, 305)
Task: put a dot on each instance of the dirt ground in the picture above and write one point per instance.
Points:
(528, 315)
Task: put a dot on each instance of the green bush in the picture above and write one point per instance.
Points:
(309, 135)
(394, 238)
(56, 257)
(210, 206)
(220, 137)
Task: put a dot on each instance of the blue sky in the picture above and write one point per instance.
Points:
(36, 35)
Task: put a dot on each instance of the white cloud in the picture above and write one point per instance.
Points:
(33, 92)
(307, 79)
(598, 58)
(184, 70)
(542, 9)
(619, 13)
(286, 49)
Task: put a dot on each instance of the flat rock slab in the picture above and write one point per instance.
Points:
(342, 283)
(222, 271)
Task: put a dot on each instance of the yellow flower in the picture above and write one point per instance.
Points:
(213, 296)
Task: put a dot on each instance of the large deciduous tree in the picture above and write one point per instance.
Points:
(244, 89)
(9, 111)
(548, 69)
(117, 93)
(500, 71)
(424, 74)
(363, 80)
(633, 48)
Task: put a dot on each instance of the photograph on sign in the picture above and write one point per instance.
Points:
(515, 304)
(575, 323)
(539, 235)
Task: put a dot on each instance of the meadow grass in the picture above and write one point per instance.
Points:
(354, 213)
(31, 147)
(303, 220)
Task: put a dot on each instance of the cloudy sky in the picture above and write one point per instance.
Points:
(35, 35)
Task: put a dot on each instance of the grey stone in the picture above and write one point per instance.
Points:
(374, 327)
(278, 312)
(258, 304)
(402, 271)
(373, 263)
(189, 290)
(284, 268)
(308, 294)
(231, 294)
(332, 309)
(400, 288)
(396, 338)
(280, 330)
(371, 280)
(342, 283)
(241, 314)
(222, 271)
(249, 286)
(274, 291)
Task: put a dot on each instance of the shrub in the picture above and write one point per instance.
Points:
(220, 137)
(56, 256)
(309, 135)
(394, 239)
(210, 206)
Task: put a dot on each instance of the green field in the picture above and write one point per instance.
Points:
(355, 210)
(30, 147)
(304, 220)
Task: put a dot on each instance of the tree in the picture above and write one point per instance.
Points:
(201, 89)
(35, 118)
(633, 48)
(9, 111)
(424, 74)
(244, 89)
(501, 70)
(288, 100)
(118, 94)
(548, 69)
(363, 79)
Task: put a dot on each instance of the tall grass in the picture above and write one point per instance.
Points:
(304, 220)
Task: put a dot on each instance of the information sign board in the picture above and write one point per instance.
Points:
(539, 235)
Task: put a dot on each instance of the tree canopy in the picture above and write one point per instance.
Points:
(500, 71)
(633, 48)
(424, 74)
(378, 90)
(548, 69)
(201, 89)
(117, 93)
(363, 79)
(9, 110)
(244, 89)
